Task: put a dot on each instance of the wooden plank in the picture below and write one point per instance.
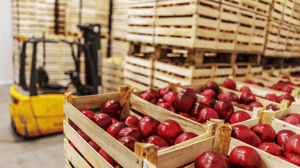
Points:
(136, 84)
(137, 69)
(279, 125)
(120, 153)
(73, 156)
(142, 79)
(249, 123)
(85, 149)
(67, 164)
(161, 114)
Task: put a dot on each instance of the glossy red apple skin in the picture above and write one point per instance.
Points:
(210, 92)
(197, 107)
(115, 128)
(164, 91)
(248, 108)
(224, 109)
(295, 115)
(208, 100)
(103, 120)
(162, 148)
(88, 113)
(285, 96)
(169, 130)
(292, 120)
(244, 156)
(207, 114)
(229, 83)
(283, 158)
(244, 134)
(211, 159)
(272, 107)
(291, 149)
(184, 137)
(193, 118)
(94, 145)
(170, 97)
(235, 103)
(157, 141)
(239, 116)
(154, 92)
(265, 132)
(184, 114)
(167, 106)
(228, 96)
(283, 135)
(128, 141)
(113, 120)
(132, 132)
(191, 92)
(256, 104)
(147, 126)
(83, 135)
(184, 102)
(108, 158)
(247, 98)
(112, 108)
(271, 148)
(149, 97)
(287, 89)
(130, 119)
(212, 85)
(271, 97)
(245, 89)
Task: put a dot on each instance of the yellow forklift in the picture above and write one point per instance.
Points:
(37, 109)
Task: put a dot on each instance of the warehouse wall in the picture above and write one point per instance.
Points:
(6, 46)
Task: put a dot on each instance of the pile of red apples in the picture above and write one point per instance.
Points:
(131, 129)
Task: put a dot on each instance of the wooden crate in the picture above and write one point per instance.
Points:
(138, 72)
(112, 74)
(120, 153)
(119, 19)
(141, 21)
(277, 10)
(272, 40)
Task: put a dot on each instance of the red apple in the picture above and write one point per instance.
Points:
(131, 125)
(157, 141)
(285, 96)
(167, 106)
(224, 109)
(87, 161)
(108, 158)
(283, 158)
(170, 97)
(162, 148)
(191, 92)
(197, 107)
(88, 113)
(247, 98)
(169, 130)
(244, 134)
(271, 148)
(245, 89)
(112, 108)
(256, 104)
(83, 135)
(228, 96)
(184, 137)
(154, 92)
(74, 147)
(103, 120)
(149, 97)
(239, 116)
(234, 103)
(265, 132)
(94, 145)
(206, 114)
(283, 136)
(244, 156)
(212, 85)
(119, 166)
(272, 97)
(287, 89)
(210, 92)
(229, 83)
(164, 91)
(194, 119)
(184, 114)
(291, 149)
(208, 100)
(259, 84)
(295, 115)
(249, 81)
(272, 107)
(132, 132)
(248, 108)
(128, 141)
(130, 119)
(211, 159)
(115, 128)
(184, 102)
(292, 120)
(147, 126)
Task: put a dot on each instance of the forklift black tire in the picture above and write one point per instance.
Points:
(13, 126)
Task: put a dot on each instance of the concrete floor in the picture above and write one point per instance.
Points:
(15, 152)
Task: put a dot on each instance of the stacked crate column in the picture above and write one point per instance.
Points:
(259, 34)
(245, 31)
(272, 38)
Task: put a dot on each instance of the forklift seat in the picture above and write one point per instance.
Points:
(45, 87)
